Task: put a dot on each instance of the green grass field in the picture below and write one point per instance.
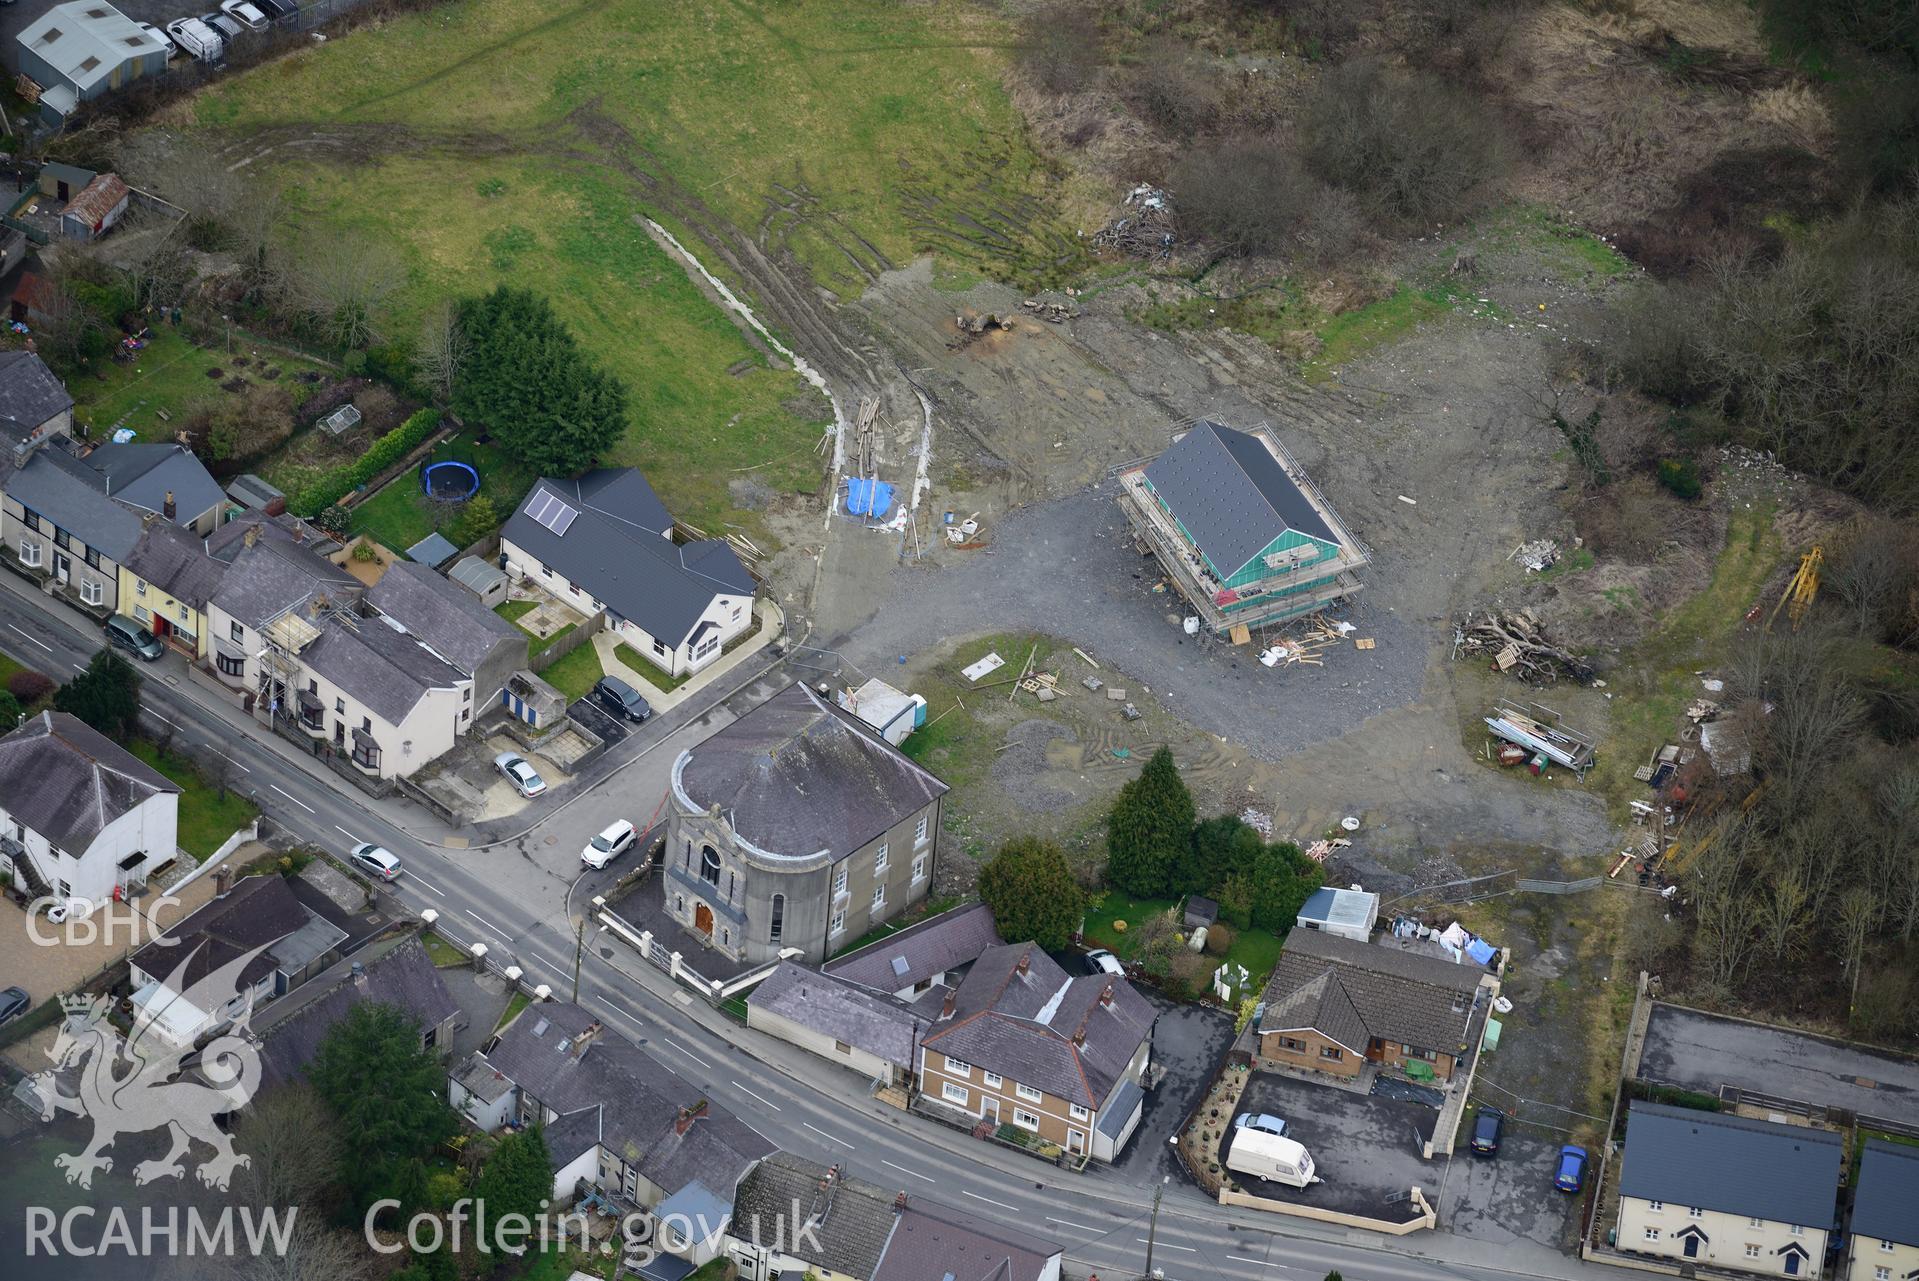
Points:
(401, 515)
(171, 374)
(850, 135)
(206, 820)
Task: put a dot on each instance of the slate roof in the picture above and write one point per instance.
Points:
(141, 475)
(921, 951)
(29, 393)
(615, 550)
(853, 1218)
(611, 1092)
(796, 776)
(1369, 991)
(63, 489)
(175, 561)
(1785, 1173)
(443, 615)
(1231, 495)
(1041, 1028)
(879, 1024)
(1886, 1205)
(65, 780)
(385, 669)
(402, 975)
(257, 912)
(932, 1241)
(275, 575)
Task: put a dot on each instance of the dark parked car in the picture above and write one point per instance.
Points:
(1571, 1175)
(124, 633)
(13, 1003)
(277, 8)
(621, 699)
(1486, 1129)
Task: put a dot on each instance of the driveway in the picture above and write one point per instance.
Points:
(1510, 1197)
(1696, 1051)
(1189, 1043)
(1367, 1148)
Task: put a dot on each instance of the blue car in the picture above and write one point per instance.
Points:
(1571, 1176)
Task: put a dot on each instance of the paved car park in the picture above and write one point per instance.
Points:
(1510, 1197)
(1696, 1051)
(1366, 1148)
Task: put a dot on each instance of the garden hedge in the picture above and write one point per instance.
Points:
(382, 454)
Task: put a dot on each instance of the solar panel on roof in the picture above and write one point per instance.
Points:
(551, 513)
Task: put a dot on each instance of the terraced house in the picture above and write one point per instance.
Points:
(1241, 530)
(1020, 1043)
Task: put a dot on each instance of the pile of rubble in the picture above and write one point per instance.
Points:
(1053, 313)
(1536, 556)
(1149, 231)
(1517, 643)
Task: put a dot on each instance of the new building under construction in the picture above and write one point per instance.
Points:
(1243, 533)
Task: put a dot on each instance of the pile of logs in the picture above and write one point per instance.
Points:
(1055, 313)
(1516, 643)
(972, 325)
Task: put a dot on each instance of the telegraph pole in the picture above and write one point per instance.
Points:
(1152, 1230)
(579, 951)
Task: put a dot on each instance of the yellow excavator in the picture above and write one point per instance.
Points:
(1803, 586)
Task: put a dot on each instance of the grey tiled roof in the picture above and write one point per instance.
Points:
(879, 1024)
(64, 779)
(444, 615)
(921, 951)
(275, 575)
(1323, 1006)
(796, 776)
(616, 552)
(64, 491)
(637, 1103)
(933, 1241)
(387, 670)
(29, 393)
(1785, 1173)
(1394, 995)
(1887, 1203)
(852, 1218)
(141, 475)
(1231, 495)
(1119, 1108)
(175, 560)
(256, 912)
(1043, 1029)
(398, 974)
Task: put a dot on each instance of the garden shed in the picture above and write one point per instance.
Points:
(481, 577)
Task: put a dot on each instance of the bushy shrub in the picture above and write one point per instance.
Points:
(1680, 476)
(1172, 91)
(1409, 145)
(29, 687)
(1060, 47)
(1254, 197)
(1220, 938)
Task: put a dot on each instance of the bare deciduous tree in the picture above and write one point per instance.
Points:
(294, 1148)
(442, 349)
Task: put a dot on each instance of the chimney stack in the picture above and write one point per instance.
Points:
(947, 1006)
(899, 1204)
(166, 506)
(222, 881)
(1106, 993)
(1025, 961)
(688, 1116)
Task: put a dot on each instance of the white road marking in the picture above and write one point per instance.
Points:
(903, 1170)
(229, 760)
(495, 930)
(1081, 1227)
(78, 668)
(688, 1053)
(989, 1200)
(835, 1138)
(296, 800)
(1240, 1258)
(350, 836)
(41, 644)
(425, 884)
(156, 716)
(763, 1102)
(1168, 1245)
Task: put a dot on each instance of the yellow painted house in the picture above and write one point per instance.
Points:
(166, 582)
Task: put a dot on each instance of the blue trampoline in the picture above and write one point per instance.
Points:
(449, 481)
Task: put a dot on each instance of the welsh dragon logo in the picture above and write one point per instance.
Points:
(143, 1081)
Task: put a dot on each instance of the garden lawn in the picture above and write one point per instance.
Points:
(1257, 950)
(206, 820)
(576, 674)
(653, 676)
(171, 374)
(400, 515)
(526, 135)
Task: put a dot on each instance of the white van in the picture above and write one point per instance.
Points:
(197, 39)
(1270, 1156)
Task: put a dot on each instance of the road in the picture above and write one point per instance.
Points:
(521, 895)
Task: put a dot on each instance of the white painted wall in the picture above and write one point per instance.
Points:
(151, 827)
(1730, 1238)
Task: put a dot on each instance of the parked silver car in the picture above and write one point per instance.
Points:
(525, 779)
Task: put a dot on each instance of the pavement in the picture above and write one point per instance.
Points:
(1697, 1051)
(520, 890)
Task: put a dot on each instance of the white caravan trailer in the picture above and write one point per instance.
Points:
(1270, 1156)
